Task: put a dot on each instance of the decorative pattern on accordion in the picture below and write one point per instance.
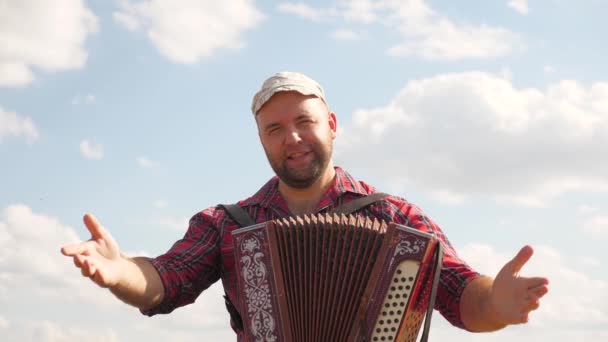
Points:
(332, 278)
(256, 285)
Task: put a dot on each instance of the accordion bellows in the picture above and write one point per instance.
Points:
(332, 278)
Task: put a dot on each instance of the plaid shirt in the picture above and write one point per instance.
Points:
(205, 253)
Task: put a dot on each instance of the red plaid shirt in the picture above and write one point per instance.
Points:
(204, 254)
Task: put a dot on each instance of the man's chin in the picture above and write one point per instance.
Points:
(299, 182)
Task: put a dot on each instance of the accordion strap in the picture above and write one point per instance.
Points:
(241, 217)
(429, 311)
(238, 214)
(359, 203)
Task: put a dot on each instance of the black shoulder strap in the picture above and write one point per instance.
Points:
(358, 203)
(429, 310)
(238, 214)
(241, 217)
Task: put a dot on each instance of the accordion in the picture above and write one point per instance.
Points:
(334, 277)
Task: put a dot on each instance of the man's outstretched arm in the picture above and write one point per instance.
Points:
(491, 304)
(133, 280)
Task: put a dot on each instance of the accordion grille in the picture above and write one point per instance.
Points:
(326, 265)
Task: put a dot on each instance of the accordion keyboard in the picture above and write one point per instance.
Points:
(395, 302)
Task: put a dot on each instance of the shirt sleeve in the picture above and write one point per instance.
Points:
(190, 266)
(455, 275)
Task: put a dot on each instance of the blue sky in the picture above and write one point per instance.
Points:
(491, 116)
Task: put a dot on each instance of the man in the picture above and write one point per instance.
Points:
(296, 129)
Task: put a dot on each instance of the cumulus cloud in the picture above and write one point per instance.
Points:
(36, 278)
(186, 31)
(160, 204)
(426, 33)
(91, 150)
(476, 133)
(302, 10)
(146, 163)
(521, 6)
(586, 209)
(53, 41)
(30, 261)
(50, 331)
(14, 125)
(597, 225)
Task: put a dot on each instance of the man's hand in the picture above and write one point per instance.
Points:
(99, 257)
(490, 304)
(513, 297)
(133, 280)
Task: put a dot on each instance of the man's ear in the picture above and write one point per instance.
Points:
(333, 124)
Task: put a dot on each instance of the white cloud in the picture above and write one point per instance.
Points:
(590, 262)
(30, 262)
(586, 209)
(53, 41)
(345, 35)
(146, 163)
(548, 70)
(597, 225)
(433, 36)
(186, 31)
(521, 6)
(127, 21)
(445, 40)
(37, 279)
(446, 197)
(477, 134)
(426, 33)
(160, 204)
(91, 150)
(302, 10)
(13, 125)
(49, 331)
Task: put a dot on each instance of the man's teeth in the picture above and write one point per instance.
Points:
(297, 155)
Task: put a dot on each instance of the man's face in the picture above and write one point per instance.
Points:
(296, 132)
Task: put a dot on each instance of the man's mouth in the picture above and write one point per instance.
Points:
(296, 155)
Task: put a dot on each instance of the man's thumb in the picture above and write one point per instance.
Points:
(520, 259)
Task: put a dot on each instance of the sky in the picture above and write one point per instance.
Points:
(491, 116)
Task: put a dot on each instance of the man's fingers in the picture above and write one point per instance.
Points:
(78, 248)
(520, 259)
(71, 250)
(531, 305)
(538, 291)
(95, 228)
(79, 260)
(535, 282)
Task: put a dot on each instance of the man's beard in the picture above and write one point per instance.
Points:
(302, 177)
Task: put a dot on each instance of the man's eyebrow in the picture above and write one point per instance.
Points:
(271, 125)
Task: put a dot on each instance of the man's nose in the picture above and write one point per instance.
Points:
(293, 137)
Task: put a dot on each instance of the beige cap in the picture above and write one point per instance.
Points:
(286, 81)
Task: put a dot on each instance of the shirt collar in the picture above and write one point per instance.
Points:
(269, 196)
